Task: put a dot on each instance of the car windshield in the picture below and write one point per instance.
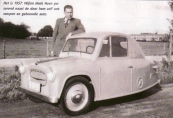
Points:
(84, 45)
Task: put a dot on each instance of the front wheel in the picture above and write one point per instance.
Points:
(77, 96)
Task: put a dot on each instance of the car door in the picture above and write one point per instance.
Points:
(115, 68)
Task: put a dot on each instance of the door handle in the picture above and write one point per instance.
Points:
(130, 66)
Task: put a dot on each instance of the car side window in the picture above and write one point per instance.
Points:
(119, 46)
(105, 51)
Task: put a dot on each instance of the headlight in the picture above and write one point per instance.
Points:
(50, 74)
(22, 68)
(156, 67)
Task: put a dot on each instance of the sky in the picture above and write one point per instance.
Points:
(124, 16)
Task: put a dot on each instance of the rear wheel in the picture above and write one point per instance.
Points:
(77, 96)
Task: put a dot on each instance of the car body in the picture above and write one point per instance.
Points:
(91, 67)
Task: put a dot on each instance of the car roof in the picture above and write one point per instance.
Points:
(96, 34)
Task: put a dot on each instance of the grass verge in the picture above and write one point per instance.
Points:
(9, 83)
(166, 72)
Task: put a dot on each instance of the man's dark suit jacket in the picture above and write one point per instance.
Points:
(60, 32)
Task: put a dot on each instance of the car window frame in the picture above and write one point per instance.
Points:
(95, 43)
(110, 45)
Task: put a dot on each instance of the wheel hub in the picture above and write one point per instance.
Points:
(77, 97)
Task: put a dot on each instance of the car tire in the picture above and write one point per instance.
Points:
(77, 96)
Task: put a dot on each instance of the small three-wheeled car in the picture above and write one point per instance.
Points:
(91, 67)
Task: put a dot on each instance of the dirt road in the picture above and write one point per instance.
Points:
(154, 103)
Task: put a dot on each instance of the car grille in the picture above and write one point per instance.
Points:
(38, 75)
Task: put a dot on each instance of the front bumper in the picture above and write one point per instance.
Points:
(41, 97)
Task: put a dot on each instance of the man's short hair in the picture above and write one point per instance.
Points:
(68, 7)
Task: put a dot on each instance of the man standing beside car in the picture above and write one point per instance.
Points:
(65, 26)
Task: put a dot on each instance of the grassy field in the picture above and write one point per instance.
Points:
(25, 48)
(154, 48)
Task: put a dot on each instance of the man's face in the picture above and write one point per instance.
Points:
(68, 13)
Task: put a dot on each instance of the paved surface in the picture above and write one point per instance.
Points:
(154, 103)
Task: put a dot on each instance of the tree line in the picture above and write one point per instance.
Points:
(46, 31)
(10, 30)
(171, 20)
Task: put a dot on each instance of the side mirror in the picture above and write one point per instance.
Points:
(90, 49)
(105, 42)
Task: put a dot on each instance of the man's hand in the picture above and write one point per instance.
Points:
(51, 54)
(68, 36)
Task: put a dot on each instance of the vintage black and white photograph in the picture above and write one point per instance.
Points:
(85, 59)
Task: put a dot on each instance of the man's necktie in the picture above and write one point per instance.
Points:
(66, 23)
